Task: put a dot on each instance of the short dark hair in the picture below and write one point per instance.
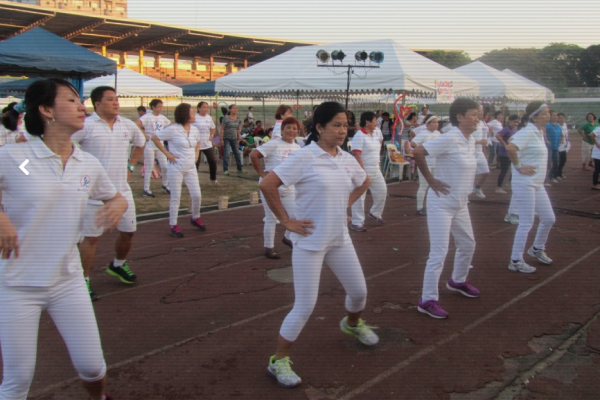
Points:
(291, 121)
(98, 93)
(366, 116)
(10, 117)
(182, 113)
(322, 116)
(513, 117)
(155, 102)
(200, 104)
(281, 110)
(42, 93)
(460, 107)
(592, 114)
(258, 122)
(141, 108)
(562, 114)
(411, 116)
(497, 113)
(385, 114)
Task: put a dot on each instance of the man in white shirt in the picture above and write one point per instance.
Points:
(494, 126)
(107, 136)
(423, 115)
(481, 139)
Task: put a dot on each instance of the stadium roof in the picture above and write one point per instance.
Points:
(128, 35)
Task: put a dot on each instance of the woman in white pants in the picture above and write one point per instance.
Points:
(424, 136)
(328, 180)
(274, 153)
(184, 149)
(150, 124)
(447, 211)
(40, 267)
(366, 147)
(529, 157)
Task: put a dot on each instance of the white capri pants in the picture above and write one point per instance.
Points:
(442, 222)
(190, 177)
(378, 190)
(288, 199)
(68, 303)
(149, 156)
(423, 186)
(307, 267)
(531, 200)
(586, 152)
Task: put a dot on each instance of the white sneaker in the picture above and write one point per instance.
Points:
(547, 184)
(507, 217)
(540, 255)
(363, 332)
(521, 266)
(514, 219)
(281, 370)
(500, 190)
(479, 193)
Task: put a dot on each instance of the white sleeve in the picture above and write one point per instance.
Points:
(102, 188)
(440, 145)
(81, 135)
(358, 141)
(292, 169)
(137, 137)
(418, 140)
(267, 149)
(359, 175)
(521, 138)
(165, 134)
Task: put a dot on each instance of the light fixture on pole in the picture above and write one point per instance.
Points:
(376, 57)
(361, 56)
(338, 55)
(322, 56)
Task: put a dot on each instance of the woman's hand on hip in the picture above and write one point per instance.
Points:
(299, 227)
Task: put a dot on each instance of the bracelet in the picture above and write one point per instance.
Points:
(130, 167)
(517, 166)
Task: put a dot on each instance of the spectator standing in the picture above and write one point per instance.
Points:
(231, 132)
(587, 143)
(553, 134)
(565, 145)
(494, 126)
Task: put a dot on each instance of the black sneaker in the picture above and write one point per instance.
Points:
(93, 296)
(148, 194)
(123, 273)
(166, 189)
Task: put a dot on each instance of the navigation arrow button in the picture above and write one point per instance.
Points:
(22, 167)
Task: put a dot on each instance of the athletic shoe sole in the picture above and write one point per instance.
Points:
(460, 291)
(272, 375)
(532, 254)
(424, 311)
(515, 269)
(111, 272)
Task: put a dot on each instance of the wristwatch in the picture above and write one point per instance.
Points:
(130, 167)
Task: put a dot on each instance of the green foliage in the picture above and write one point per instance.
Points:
(449, 59)
(589, 66)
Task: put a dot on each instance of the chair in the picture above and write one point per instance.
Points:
(389, 163)
(299, 140)
(258, 141)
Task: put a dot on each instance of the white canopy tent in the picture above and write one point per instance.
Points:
(494, 84)
(295, 74)
(549, 93)
(132, 84)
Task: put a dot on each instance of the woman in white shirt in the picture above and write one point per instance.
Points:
(328, 180)
(274, 153)
(206, 127)
(430, 133)
(282, 112)
(565, 145)
(11, 126)
(184, 149)
(529, 156)
(40, 267)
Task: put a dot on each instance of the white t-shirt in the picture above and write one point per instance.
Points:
(421, 118)
(182, 145)
(596, 150)
(369, 146)
(424, 137)
(532, 152)
(47, 207)
(276, 151)
(277, 129)
(566, 144)
(204, 125)
(110, 146)
(481, 133)
(152, 124)
(10, 137)
(323, 186)
(496, 126)
(455, 165)
(419, 129)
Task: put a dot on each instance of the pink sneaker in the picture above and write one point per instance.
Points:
(198, 223)
(176, 231)
(466, 289)
(432, 308)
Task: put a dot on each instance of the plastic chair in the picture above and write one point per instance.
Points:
(390, 147)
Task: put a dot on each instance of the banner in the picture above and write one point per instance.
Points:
(443, 91)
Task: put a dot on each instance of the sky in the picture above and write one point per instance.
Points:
(473, 26)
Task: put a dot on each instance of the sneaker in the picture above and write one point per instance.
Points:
(422, 212)
(563, 177)
(466, 289)
(521, 266)
(514, 219)
(215, 183)
(166, 189)
(432, 308)
(287, 242)
(358, 228)
(540, 254)
(500, 190)
(363, 332)
(554, 180)
(479, 193)
(226, 173)
(378, 219)
(198, 223)
(176, 231)
(560, 178)
(281, 370)
(148, 194)
(241, 171)
(93, 295)
(123, 273)
(507, 218)
(548, 184)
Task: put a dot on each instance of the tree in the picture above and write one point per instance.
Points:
(566, 58)
(589, 66)
(449, 59)
(525, 62)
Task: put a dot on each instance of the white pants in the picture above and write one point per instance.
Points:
(422, 192)
(127, 224)
(529, 201)
(190, 177)
(441, 222)
(307, 267)
(512, 208)
(288, 199)
(69, 305)
(149, 156)
(586, 152)
(378, 190)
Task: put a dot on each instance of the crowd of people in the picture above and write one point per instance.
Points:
(308, 184)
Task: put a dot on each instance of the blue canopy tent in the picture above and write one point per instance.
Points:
(203, 89)
(16, 87)
(38, 52)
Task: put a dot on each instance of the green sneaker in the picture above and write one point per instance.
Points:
(225, 172)
(123, 273)
(281, 370)
(363, 332)
(93, 296)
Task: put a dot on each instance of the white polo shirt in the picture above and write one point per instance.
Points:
(10, 137)
(532, 152)
(495, 126)
(46, 207)
(596, 150)
(424, 137)
(152, 124)
(323, 186)
(276, 151)
(480, 134)
(455, 165)
(277, 129)
(369, 146)
(204, 125)
(181, 145)
(110, 146)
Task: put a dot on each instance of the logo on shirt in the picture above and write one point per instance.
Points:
(347, 171)
(286, 153)
(84, 182)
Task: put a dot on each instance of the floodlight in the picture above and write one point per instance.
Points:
(361, 56)
(338, 55)
(323, 56)
(376, 57)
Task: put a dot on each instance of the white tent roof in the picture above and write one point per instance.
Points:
(549, 93)
(496, 84)
(133, 84)
(296, 70)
